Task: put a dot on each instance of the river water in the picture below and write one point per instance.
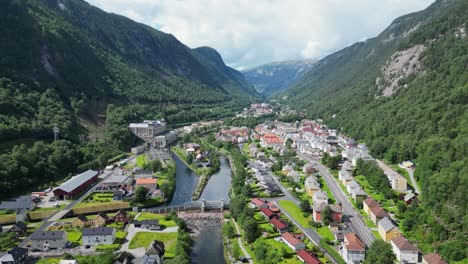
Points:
(208, 246)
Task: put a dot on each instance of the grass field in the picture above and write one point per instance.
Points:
(49, 261)
(74, 237)
(143, 239)
(279, 247)
(141, 160)
(295, 213)
(160, 217)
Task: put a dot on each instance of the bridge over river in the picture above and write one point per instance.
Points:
(200, 205)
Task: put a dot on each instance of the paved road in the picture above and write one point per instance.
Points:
(355, 221)
(60, 214)
(413, 181)
(310, 233)
(239, 240)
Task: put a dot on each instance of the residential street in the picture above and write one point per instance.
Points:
(355, 221)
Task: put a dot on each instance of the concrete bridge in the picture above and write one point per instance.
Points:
(200, 205)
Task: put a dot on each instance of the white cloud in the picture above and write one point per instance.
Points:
(249, 33)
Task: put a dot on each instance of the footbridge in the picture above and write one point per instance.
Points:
(200, 205)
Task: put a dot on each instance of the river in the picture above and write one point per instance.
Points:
(208, 246)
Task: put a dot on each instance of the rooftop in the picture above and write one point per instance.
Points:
(77, 181)
(146, 181)
(308, 257)
(403, 244)
(386, 224)
(46, 235)
(291, 239)
(101, 231)
(352, 242)
(278, 224)
(434, 258)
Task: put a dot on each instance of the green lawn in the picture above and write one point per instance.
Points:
(295, 213)
(277, 246)
(91, 204)
(267, 227)
(325, 232)
(49, 261)
(141, 160)
(324, 185)
(143, 239)
(160, 217)
(74, 237)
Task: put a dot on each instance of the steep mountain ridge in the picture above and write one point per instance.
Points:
(275, 77)
(107, 54)
(405, 93)
(90, 58)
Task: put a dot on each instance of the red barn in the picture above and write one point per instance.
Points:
(76, 184)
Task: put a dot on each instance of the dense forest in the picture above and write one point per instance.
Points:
(425, 120)
(71, 65)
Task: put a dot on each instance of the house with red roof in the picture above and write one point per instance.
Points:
(307, 257)
(259, 203)
(405, 252)
(374, 210)
(433, 258)
(279, 225)
(268, 213)
(352, 249)
(270, 140)
(292, 242)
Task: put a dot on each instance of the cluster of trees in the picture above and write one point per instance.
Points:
(240, 194)
(184, 242)
(380, 252)
(28, 111)
(375, 176)
(28, 168)
(331, 162)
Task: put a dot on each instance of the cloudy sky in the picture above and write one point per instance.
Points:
(248, 33)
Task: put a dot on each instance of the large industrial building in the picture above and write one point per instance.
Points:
(148, 129)
(153, 132)
(76, 184)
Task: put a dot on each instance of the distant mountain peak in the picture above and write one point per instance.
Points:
(275, 77)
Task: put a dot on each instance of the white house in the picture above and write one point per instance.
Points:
(48, 240)
(98, 236)
(352, 249)
(320, 197)
(311, 184)
(404, 250)
(292, 242)
(294, 175)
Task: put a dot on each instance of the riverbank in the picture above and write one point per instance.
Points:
(203, 174)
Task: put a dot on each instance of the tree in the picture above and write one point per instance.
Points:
(305, 206)
(251, 230)
(327, 215)
(380, 252)
(236, 251)
(140, 194)
(189, 158)
(154, 165)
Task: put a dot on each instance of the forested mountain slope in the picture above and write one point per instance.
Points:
(277, 76)
(405, 93)
(67, 63)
